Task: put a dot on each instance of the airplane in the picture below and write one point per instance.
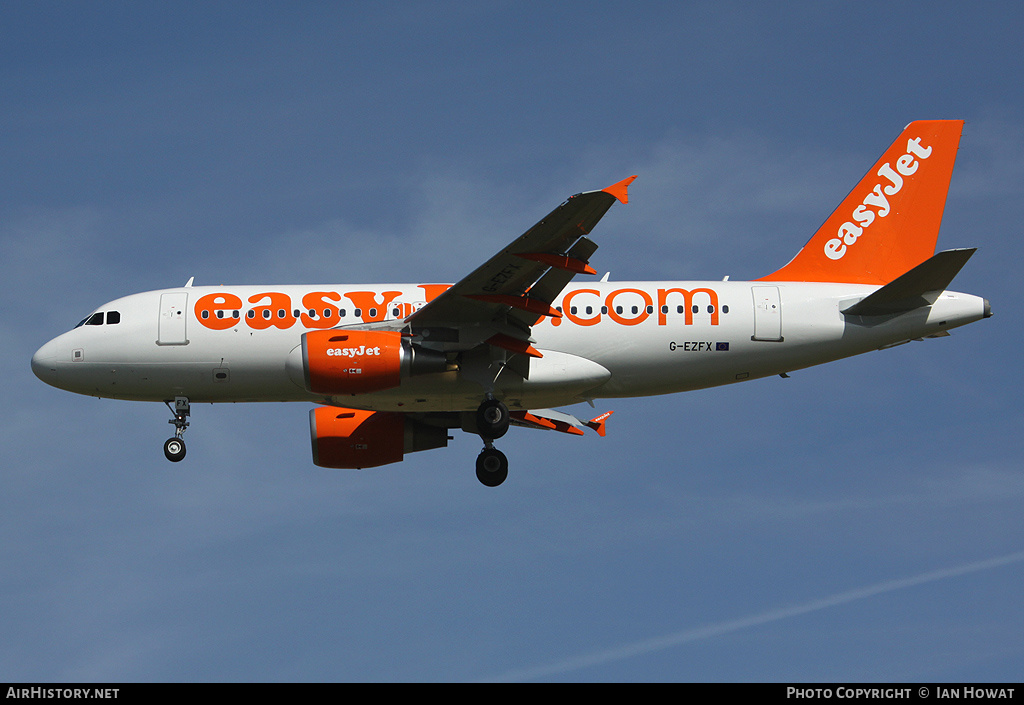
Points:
(393, 368)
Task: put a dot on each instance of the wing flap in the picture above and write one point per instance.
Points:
(554, 280)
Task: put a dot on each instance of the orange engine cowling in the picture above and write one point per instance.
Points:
(358, 361)
(355, 438)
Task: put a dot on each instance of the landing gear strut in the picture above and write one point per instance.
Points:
(492, 419)
(174, 448)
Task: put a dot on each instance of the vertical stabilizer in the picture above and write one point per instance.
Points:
(889, 222)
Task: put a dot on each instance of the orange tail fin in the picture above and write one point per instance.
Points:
(890, 221)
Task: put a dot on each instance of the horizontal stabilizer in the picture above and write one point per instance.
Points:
(918, 287)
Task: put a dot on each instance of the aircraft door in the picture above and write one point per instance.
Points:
(767, 313)
(171, 329)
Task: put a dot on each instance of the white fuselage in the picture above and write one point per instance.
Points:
(615, 339)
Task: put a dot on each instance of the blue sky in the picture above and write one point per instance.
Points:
(859, 521)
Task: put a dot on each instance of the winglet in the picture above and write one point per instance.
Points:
(619, 190)
(597, 423)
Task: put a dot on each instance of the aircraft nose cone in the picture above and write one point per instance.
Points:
(44, 364)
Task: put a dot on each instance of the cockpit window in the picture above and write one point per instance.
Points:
(96, 319)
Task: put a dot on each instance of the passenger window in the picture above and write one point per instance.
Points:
(113, 317)
(725, 309)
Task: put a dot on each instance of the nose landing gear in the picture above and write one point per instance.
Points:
(492, 420)
(174, 448)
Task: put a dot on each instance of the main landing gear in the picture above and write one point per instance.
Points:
(174, 448)
(492, 419)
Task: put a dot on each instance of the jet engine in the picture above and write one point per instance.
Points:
(355, 438)
(358, 361)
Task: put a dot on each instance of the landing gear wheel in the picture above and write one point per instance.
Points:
(174, 449)
(492, 419)
(491, 467)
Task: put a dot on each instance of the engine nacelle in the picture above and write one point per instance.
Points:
(355, 439)
(358, 361)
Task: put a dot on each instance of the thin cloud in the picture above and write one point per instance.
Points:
(711, 631)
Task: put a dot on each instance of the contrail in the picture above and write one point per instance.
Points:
(699, 633)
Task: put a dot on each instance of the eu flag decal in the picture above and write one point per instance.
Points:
(721, 346)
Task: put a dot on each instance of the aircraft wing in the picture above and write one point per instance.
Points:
(500, 300)
(552, 420)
